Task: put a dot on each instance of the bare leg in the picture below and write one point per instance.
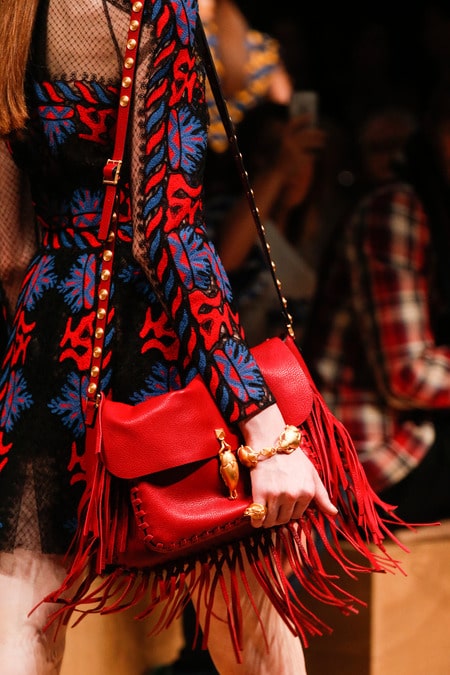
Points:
(285, 654)
(25, 578)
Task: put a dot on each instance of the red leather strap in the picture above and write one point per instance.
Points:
(108, 222)
(111, 170)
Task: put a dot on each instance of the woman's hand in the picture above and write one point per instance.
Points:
(285, 483)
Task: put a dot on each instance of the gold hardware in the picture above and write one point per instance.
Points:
(137, 6)
(287, 442)
(99, 333)
(247, 456)
(92, 388)
(95, 371)
(101, 314)
(134, 25)
(105, 275)
(126, 82)
(124, 101)
(103, 294)
(131, 44)
(111, 235)
(107, 255)
(229, 468)
(97, 352)
(115, 173)
(256, 511)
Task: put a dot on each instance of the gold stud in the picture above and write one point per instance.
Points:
(105, 275)
(126, 82)
(97, 352)
(101, 314)
(129, 63)
(137, 6)
(111, 235)
(131, 44)
(124, 101)
(107, 255)
(95, 371)
(99, 333)
(103, 294)
(134, 25)
(92, 388)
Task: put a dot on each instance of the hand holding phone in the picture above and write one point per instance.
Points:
(305, 102)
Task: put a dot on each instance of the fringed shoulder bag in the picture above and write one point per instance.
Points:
(158, 503)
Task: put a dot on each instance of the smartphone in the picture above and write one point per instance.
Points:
(303, 102)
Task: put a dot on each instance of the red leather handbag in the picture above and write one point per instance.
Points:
(155, 504)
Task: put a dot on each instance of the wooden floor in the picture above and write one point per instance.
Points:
(406, 628)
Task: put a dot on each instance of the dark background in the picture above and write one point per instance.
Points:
(360, 56)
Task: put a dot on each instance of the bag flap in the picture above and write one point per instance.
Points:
(178, 428)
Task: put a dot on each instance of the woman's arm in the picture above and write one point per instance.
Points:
(171, 244)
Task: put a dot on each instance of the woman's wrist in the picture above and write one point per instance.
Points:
(287, 442)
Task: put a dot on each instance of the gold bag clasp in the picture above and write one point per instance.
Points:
(229, 467)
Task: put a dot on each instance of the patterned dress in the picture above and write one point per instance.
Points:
(171, 308)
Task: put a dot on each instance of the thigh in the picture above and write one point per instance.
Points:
(281, 652)
(25, 648)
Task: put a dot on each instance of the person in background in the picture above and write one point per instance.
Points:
(281, 155)
(378, 340)
(381, 141)
(249, 64)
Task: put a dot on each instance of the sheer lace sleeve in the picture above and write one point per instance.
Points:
(17, 228)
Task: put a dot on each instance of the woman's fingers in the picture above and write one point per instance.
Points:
(286, 493)
(322, 499)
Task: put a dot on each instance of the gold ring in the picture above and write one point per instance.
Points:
(256, 511)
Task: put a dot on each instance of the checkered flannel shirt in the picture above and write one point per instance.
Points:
(375, 355)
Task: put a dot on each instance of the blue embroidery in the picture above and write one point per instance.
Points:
(43, 278)
(163, 378)
(79, 287)
(17, 400)
(68, 406)
(240, 370)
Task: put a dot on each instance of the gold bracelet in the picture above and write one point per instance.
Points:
(287, 442)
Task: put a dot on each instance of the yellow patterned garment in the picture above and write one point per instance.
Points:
(263, 58)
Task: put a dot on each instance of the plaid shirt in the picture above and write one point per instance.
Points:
(373, 350)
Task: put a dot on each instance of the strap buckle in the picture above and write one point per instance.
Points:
(111, 171)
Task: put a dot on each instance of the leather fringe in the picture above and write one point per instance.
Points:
(279, 559)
